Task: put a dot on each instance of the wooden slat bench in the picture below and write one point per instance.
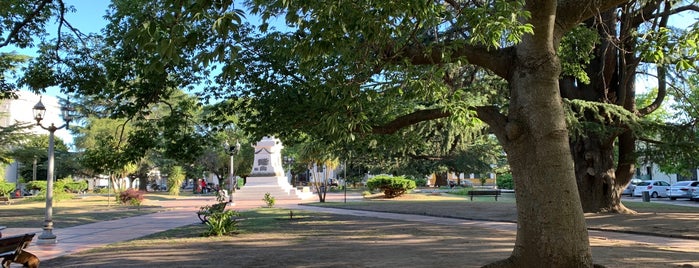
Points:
(473, 193)
(12, 250)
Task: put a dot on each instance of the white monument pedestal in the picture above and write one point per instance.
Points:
(267, 175)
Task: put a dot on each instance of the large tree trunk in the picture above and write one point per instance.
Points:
(551, 226)
(595, 169)
(441, 179)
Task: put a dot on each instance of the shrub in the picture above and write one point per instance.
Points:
(505, 181)
(391, 186)
(59, 190)
(101, 190)
(36, 185)
(220, 223)
(74, 186)
(174, 181)
(354, 181)
(419, 182)
(208, 210)
(6, 188)
(131, 197)
(269, 200)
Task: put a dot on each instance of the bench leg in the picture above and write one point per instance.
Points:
(28, 260)
(202, 218)
(496, 198)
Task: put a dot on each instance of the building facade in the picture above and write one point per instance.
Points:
(20, 111)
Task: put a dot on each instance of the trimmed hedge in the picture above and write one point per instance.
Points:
(391, 186)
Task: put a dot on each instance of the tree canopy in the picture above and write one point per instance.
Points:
(348, 72)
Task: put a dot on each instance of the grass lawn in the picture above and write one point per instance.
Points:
(28, 212)
(269, 237)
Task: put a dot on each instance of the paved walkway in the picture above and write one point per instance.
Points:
(181, 213)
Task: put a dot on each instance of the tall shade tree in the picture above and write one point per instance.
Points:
(339, 48)
(603, 58)
(344, 55)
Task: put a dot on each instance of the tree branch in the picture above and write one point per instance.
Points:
(29, 18)
(499, 61)
(572, 12)
(410, 119)
(496, 120)
(662, 92)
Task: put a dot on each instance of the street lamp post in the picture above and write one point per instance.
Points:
(232, 151)
(289, 161)
(39, 110)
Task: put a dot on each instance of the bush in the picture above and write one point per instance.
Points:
(36, 185)
(419, 182)
(220, 223)
(269, 200)
(391, 186)
(505, 181)
(74, 186)
(100, 190)
(354, 181)
(59, 190)
(6, 188)
(131, 197)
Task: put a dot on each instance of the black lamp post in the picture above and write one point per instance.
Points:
(232, 151)
(39, 110)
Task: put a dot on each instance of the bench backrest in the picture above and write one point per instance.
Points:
(14, 244)
(484, 192)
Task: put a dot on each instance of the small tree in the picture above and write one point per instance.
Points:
(269, 200)
(175, 179)
(391, 186)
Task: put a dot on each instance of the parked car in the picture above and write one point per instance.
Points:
(695, 196)
(654, 188)
(683, 189)
(629, 188)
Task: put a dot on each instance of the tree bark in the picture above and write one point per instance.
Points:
(441, 179)
(595, 169)
(551, 225)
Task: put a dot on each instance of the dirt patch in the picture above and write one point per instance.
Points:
(323, 240)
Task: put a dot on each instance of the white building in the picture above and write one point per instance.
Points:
(651, 171)
(20, 110)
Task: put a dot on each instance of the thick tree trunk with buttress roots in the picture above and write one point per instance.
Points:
(595, 168)
(551, 226)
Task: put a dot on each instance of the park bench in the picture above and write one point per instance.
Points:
(12, 250)
(206, 211)
(473, 193)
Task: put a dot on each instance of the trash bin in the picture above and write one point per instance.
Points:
(646, 196)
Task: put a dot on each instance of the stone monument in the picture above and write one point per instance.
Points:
(267, 175)
(268, 158)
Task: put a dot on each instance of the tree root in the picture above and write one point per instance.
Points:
(510, 263)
